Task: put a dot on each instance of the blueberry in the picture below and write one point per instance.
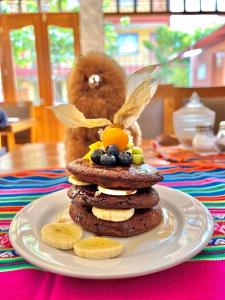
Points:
(108, 160)
(96, 155)
(125, 158)
(112, 150)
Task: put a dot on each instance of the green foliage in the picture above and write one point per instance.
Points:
(105, 4)
(167, 43)
(23, 46)
(110, 36)
(30, 6)
(60, 39)
(9, 6)
(61, 44)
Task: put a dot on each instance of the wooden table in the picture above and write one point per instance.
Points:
(33, 156)
(37, 156)
(14, 127)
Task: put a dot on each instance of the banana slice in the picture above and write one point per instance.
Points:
(114, 192)
(98, 248)
(63, 217)
(72, 179)
(61, 235)
(114, 215)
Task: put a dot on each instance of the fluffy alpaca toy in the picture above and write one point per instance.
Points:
(97, 87)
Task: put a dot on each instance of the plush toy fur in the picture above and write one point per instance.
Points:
(99, 102)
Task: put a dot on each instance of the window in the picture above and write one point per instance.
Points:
(219, 59)
(25, 63)
(61, 50)
(12, 6)
(126, 6)
(153, 6)
(201, 72)
(128, 43)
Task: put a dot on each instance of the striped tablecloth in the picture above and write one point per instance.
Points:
(201, 278)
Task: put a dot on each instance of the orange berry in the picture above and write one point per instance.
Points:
(115, 136)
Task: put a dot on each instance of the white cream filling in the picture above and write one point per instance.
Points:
(116, 192)
(75, 181)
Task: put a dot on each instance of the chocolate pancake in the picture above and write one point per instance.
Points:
(142, 220)
(144, 198)
(132, 177)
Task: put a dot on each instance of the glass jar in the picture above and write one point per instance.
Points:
(204, 141)
(220, 138)
(188, 117)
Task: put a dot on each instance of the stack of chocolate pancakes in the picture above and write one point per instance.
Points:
(103, 192)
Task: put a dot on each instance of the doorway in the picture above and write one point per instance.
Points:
(37, 52)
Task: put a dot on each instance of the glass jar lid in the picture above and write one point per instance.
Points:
(222, 125)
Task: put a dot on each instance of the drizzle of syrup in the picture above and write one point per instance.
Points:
(167, 227)
(164, 230)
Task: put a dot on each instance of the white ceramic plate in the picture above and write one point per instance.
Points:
(185, 231)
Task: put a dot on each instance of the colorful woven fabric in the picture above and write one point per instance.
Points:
(180, 154)
(206, 182)
(16, 191)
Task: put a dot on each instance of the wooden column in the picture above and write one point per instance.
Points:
(8, 76)
(91, 26)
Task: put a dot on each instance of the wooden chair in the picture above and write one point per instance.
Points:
(2, 149)
(158, 115)
(21, 123)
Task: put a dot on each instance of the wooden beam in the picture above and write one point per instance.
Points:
(206, 92)
(168, 5)
(60, 5)
(135, 6)
(39, 5)
(76, 35)
(184, 2)
(20, 6)
(118, 6)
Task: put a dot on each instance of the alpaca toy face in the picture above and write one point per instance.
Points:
(97, 81)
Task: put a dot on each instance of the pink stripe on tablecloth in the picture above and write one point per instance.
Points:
(217, 210)
(192, 182)
(191, 280)
(35, 190)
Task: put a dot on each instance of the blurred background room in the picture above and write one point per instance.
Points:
(40, 41)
